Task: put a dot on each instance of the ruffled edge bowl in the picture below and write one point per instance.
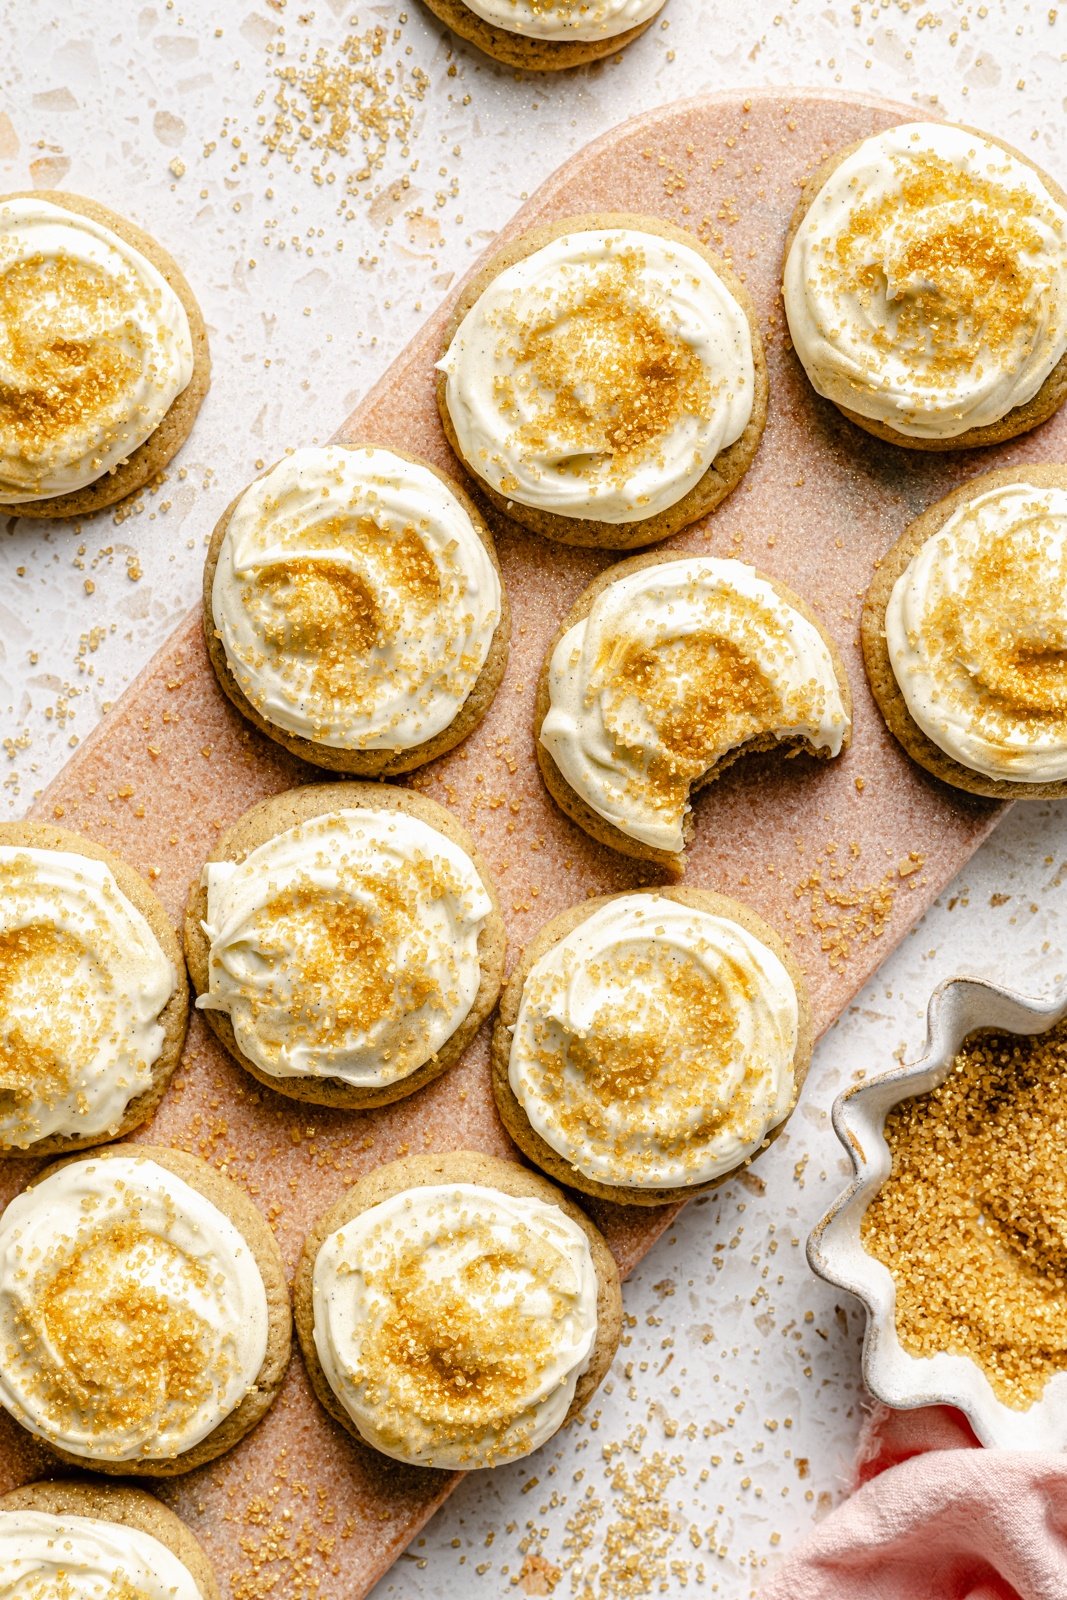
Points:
(958, 1007)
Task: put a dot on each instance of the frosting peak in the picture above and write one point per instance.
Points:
(347, 946)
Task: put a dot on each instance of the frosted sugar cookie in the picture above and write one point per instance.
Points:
(85, 1540)
(926, 287)
(93, 996)
(649, 1044)
(665, 671)
(965, 635)
(455, 1310)
(547, 35)
(144, 1316)
(103, 355)
(354, 610)
(346, 942)
(603, 380)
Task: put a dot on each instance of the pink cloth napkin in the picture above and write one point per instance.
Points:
(933, 1517)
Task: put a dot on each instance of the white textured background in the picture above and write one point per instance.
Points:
(730, 1419)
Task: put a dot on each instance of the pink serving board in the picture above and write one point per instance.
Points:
(299, 1508)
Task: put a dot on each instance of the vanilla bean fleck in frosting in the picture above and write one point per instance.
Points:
(453, 1322)
(654, 1044)
(346, 947)
(94, 348)
(133, 1315)
(83, 982)
(601, 376)
(976, 630)
(926, 288)
(354, 599)
(565, 19)
(677, 664)
(44, 1556)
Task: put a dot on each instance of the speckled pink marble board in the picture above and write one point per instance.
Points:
(298, 1508)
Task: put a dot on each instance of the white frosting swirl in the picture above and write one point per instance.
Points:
(565, 19)
(94, 348)
(677, 664)
(655, 1043)
(453, 1323)
(976, 629)
(926, 287)
(49, 1557)
(83, 980)
(600, 376)
(354, 599)
(133, 1316)
(347, 946)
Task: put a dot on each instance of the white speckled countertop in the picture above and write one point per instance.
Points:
(730, 1418)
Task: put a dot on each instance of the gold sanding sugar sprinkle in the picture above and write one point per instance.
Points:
(846, 913)
(961, 257)
(587, 10)
(997, 643)
(351, 623)
(348, 100)
(42, 992)
(643, 1038)
(324, 610)
(972, 1221)
(704, 694)
(624, 1550)
(115, 1348)
(58, 1585)
(343, 966)
(668, 1036)
(444, 1360)
(602, 371)
(63, 333)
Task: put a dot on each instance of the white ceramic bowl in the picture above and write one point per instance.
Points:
(836, 1253)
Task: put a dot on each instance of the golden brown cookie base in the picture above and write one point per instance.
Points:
(530, 55)
(725, 472)
(513, 1114)
(149, 459)
(369, 763)
(129, 1508)
(457, 1166)
(174, 1017)
(579, 810)
(1021, 419)
(235, 1204)
(879, 668)
(283, 811)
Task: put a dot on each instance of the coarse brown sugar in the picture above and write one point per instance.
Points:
(972, 1221)
(343, 104)
(112, 1346)
(639, 376)
(64, 379)
(969, 249)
